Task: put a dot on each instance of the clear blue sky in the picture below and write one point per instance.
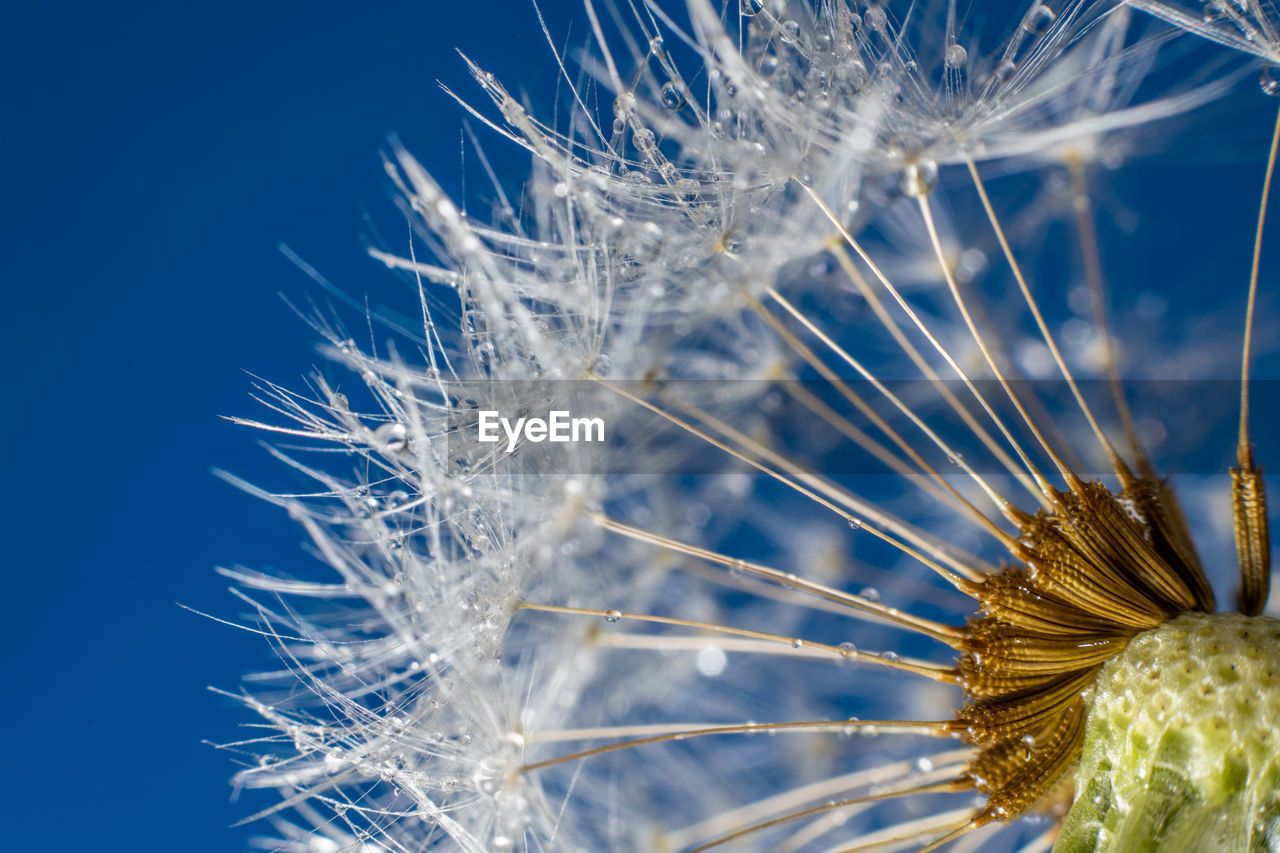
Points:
(154, 155)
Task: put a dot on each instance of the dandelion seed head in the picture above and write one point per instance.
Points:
(481, 615)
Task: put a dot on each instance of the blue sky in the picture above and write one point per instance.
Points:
(155, 155)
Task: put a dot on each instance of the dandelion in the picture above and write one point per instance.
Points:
(837, 576)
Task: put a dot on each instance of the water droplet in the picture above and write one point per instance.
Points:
(768, 65)
(822, 43)
(672, 97)
(502, 844)
(619, 125)
(923, 764)
(848, 650)
(339, 402)
(1004, 70)
(870, 593)
(891, 657)
(855, 524)
(1038, 17)
(644, 139)
(624, 104)
(1269, 80)
(956, 56)
(875, 18)
(919, 178)
(749, 7)
(392, 438)
(797, 643)
(789, 32)
(612, 616)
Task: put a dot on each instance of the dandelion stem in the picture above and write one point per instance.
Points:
(948, 762)
(937, 630)
(1045, 489)
(868, 511)
(902, 407)
(1117, 464)
(945, 674)
(960, 783)
(1098, 307)
(1248, 491)
(927, 727)
(1243, 452)
(952, 577)
(927, 213)
(886, 320)
(914, 829)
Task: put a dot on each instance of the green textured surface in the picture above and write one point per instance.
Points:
(1182, 746)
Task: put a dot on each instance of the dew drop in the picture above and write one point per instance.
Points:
(875, 18)
(919, 178)
(612, 616)
(870, 593)
(797, 643)
(848, 650)
(672, 97)
(1004, 70)
(923, 764)
(789, 32)
(619, 125)
(1269, 80)
(644, 139)
(624, 104)
(749, 7)
(891, 657)
(1038, 17)
(956, 56)
(502, 844)
(822, 43)
(855, 524)
(392, 438)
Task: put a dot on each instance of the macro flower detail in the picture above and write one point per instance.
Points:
(867, 549)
